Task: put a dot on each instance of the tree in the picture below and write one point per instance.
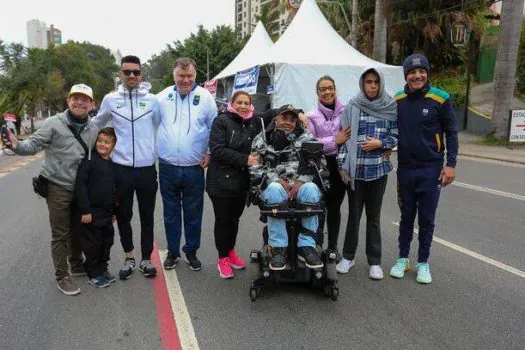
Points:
(505, 70)
(380, 31)
(355, 16)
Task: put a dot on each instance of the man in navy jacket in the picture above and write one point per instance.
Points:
(426, 124)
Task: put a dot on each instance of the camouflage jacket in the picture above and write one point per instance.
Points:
(287, 165)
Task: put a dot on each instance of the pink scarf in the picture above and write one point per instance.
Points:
(244, 116)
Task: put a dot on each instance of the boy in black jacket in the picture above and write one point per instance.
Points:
(95, 196)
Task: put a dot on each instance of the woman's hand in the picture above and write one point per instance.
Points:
(343, 136)
(253, 160)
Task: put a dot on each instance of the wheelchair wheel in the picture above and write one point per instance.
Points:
(255, 265)
(335, 293)
(254, 293)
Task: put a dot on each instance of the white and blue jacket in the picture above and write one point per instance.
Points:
(135, 118)
(185, 125)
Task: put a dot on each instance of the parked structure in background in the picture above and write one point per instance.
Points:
(39, 35)
(246, 12)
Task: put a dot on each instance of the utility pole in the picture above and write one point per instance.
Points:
(506, 60)
(354, 24)
(380, 28)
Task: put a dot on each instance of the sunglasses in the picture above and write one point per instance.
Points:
(128, 72)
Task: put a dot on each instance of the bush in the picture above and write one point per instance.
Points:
(521, 63)
(453, 82)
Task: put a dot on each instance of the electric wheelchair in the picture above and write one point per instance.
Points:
(296, 271)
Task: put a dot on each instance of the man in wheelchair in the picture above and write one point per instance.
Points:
(286, 179)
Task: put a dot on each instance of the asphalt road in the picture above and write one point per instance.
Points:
(470, 305)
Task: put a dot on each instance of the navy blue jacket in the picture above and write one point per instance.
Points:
(426, 122)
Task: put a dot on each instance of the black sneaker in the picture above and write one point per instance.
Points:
(109, 276)
(191, 259)
(147, 268)
(128, 266)
(99, 282)
(309, 256)
(278, 261)
(171, 261)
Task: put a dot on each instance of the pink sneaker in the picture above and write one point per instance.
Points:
(225, 270)
(236, 261)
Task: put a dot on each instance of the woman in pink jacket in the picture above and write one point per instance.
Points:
(324, 122)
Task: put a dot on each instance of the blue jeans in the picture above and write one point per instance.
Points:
(277, 234)
(182, 188)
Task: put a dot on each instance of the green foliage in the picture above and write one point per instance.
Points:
(39, 79)
(222, 44)
(452, 81)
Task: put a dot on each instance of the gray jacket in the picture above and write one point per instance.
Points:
(63, 152)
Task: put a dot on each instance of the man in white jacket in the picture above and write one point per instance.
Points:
(187, 113)
(134, 113)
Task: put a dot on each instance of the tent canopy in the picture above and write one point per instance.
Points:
(255, 50)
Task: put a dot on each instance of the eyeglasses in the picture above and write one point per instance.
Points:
(128, 72)
(327, 89)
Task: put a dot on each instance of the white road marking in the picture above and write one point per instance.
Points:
(187, 337)
(489, 190)
(475, 255)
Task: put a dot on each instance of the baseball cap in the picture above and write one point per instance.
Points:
(288, 109)
(81, 89)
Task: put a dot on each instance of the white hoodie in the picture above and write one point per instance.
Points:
(135, 117)
(185, 125)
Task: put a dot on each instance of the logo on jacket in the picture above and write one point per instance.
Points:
(142, 104)
(170, 97)
(120, 106)
(196, 100)
(425, 112)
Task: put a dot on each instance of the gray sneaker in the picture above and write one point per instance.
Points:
(147, 268)
(67, 286)
(128, 266)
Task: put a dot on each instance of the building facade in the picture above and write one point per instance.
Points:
(247, 12)
(41, 36)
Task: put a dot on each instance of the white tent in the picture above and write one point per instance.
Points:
(254, 52)
(311, 48)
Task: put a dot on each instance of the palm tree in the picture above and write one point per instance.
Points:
(380, 31)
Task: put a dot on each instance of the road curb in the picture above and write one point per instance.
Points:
(475, 155)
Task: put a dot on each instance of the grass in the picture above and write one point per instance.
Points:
(491, 140)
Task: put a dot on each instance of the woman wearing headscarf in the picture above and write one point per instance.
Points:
(324, 122)
(372, 116)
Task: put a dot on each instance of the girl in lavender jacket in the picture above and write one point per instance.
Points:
(324, 122)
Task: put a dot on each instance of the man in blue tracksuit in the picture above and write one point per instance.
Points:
(134, 113)
(426, 123)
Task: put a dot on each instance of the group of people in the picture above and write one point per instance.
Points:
(92, 171)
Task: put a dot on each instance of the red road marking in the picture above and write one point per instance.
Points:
(169, 335)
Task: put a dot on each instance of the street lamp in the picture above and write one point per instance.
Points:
(460, 35)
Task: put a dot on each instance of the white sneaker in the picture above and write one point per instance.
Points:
(375, 272)
(344, 265)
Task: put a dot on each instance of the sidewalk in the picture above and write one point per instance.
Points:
(468, 146)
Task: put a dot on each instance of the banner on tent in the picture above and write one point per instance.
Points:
(211, 86)
(246, 80)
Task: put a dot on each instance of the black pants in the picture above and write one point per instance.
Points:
(333, 199)
(143, 181)
(370, 195)
(227, 214)
(96, 240)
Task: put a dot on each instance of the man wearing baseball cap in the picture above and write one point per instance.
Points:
(280, 181)
(67, 138)
(427, 127)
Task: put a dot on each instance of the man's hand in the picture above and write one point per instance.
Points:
(303, 119)
(387, 154)
(371, 144)
(345, 177)
(447, 176)
(285, 186)
(253, 159)
(11, 141)
(113, 218)
(343, 135)
(205, 161)
(295, 189)
(86, 219)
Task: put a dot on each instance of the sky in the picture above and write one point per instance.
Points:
(141, 28)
